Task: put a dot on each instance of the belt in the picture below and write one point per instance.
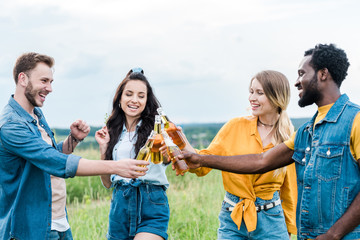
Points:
(258, 207)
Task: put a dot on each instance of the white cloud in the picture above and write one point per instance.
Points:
(198, 55)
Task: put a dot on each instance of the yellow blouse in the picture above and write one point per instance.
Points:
(239, 136)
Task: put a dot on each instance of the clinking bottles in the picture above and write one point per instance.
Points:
(172, 130)
(145, 152)
(156, 156)
(173, 151)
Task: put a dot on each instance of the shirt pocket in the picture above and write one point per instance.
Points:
(329, 162)
(300, 158)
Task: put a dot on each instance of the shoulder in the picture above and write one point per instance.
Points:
(241, 120)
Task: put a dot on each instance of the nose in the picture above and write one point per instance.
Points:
(297, 83)
(252, 97)
(48, 87)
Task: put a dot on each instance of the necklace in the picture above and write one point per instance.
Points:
(264, 124)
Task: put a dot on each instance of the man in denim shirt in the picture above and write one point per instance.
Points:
(29, 154)
(326, 151)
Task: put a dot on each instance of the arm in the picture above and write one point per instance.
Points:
(127, 168)
(347, 222)
(276, 157)
(78, 131)
(102, 137)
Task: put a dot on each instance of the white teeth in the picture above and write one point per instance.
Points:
(133, 107)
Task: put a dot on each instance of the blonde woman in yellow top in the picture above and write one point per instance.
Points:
(257, 206)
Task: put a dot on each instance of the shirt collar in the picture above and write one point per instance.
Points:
(124, 129)
(253, 125)
(22, 112)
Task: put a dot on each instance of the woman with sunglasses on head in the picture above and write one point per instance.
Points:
(257, 206)
(139, 207)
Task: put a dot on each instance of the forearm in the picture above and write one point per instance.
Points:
(69, 145)
(349, 221)
(277, 157)
(93, 167)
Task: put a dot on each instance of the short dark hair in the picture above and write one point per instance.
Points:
(330, 57)
(28, 61)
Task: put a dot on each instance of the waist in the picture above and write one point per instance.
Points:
(260, 204)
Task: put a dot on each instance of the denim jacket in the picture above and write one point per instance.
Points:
(328, 175)
(26, 162)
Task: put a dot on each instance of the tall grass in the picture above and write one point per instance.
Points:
(194, 205)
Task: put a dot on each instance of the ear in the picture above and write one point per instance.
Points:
(23, 79)
(323, 74)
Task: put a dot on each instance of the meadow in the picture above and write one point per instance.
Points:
(194, 204)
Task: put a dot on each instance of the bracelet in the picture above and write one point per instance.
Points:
(74, 139)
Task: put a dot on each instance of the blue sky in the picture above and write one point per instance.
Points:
(199, 56)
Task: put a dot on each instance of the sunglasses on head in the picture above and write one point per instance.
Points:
(137, 70)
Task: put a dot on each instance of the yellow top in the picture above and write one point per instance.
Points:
(354, 137)
(239, 136)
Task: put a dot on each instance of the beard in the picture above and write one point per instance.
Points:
(30, 94)
(311, 94)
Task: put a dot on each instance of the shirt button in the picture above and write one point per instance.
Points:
(328, 152)
(308, 149)
(303, 160)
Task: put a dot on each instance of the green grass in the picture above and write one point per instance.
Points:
(194, 205)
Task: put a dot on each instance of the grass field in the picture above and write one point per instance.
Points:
(194, 205)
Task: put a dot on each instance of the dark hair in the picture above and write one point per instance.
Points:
(330, 57)
(28, 61)
(117, 118)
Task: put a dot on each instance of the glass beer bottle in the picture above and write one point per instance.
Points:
(156, 156)
(173, 150)
(145, 152)
(172, 130)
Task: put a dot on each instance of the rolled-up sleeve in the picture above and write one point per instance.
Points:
(18, 139)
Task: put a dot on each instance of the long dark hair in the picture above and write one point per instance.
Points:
(117, 118)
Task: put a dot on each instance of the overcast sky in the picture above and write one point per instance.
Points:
(199, 56)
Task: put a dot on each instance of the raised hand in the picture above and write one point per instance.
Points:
(79, 129)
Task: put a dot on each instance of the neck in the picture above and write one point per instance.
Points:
(267, 121)
(131, 124)
(23, 102)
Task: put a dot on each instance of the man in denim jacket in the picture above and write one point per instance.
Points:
(29, 154)
(326, 151)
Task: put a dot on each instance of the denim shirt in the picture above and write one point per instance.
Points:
(26, 162)
(156, 173)
(328, 175)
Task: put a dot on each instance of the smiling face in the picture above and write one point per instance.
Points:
(133, 99)
(38, 84)
(307, 83)
(260, 104)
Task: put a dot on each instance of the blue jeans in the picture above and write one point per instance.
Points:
(270, 223)
(55, 235)
(138, 207)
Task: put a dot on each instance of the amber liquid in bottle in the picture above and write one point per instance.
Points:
(145, 152)
(156, 156)
(172, 130)
(173, 151)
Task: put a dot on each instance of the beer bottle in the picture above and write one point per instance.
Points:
(156, 156)
(145, 152)
(172, 130)
(173, 150)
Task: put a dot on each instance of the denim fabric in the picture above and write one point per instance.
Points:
(26, 161)
(328, 175)
(270, 223)
(138, 207)
(55, 235)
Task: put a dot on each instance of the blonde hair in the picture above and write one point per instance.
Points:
(277, 90)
